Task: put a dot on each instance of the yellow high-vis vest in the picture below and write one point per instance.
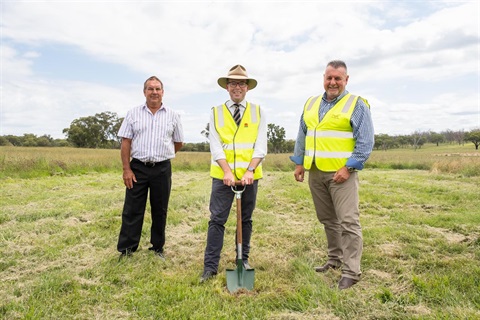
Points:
(329, 142)
(238, 142)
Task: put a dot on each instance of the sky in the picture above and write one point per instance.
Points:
(416, 62)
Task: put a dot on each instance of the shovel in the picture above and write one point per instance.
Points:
(239, 278)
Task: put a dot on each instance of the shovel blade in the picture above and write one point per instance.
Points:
(239, 278)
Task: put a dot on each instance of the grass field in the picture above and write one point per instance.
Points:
(18, 162)
(60, 214)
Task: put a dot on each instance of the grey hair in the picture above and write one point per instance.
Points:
(150, 79)
(337, 64)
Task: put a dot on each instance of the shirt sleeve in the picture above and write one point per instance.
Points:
(178, 130)
(363, 132)
(260, 150)
(126, 129)
(215, 143)
(299, 149)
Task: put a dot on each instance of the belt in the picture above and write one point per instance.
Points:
(149, 164)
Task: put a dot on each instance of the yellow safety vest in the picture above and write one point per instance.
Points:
(238, 142)
(329, 142)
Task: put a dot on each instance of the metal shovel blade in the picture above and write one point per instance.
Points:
(240, 278)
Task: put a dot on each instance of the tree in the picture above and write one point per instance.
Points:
(15, 140)
(109, 124)
(384, 142)
(289, 146)
(61, 143)
(45, 141)
(473, 136)
(99, 131)
(276, 137)
(436, 138)
(4, 142)
(417, 139)
(403, 141)
(206, 132)
(459, 136)
(29, 140)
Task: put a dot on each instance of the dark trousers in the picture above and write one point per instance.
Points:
(221, 200)
(158, 180)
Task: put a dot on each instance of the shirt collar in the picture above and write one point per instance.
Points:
(345, 92)
(230, 103)
(162, 108)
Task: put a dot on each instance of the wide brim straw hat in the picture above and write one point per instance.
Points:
(237, 72)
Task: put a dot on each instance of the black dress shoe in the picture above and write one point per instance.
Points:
(158, 252)
(155, 249)
(326, 267)
(346, 283)
(160, 255)
(207, 275)
(125, 254)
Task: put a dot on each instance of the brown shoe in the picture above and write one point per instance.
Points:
(326, 267)
(346, 283)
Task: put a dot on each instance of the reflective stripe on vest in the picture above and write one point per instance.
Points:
(238, 142)
(329, 142)
(221, 118)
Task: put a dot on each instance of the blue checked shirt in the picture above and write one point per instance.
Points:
(363, 133)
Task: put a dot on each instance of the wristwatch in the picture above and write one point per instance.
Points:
(351, 169)
(251, 169)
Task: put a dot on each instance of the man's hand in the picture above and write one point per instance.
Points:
(247, 178)
(299, 173)
(129, 178)
(228, 178)
(341, 175)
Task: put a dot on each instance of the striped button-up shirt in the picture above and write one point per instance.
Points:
(153, 135)
(363, 132)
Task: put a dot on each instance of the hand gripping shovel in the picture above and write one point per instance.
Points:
(239, 278)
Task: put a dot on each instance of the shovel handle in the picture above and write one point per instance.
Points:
(238, 183)
(238, 196)
(238, 192)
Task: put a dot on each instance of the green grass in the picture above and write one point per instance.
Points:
(58, 256)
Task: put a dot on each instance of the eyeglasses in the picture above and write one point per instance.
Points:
(240, 84)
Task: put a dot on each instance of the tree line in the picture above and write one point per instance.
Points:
(418, 138)
(100, 132)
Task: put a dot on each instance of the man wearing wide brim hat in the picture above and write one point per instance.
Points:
(237, 72)
(238, 144)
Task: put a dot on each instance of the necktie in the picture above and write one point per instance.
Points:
(236, 114)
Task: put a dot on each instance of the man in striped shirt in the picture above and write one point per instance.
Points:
(151, 135)
(334, 141)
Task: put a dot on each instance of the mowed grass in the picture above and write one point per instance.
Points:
(58, 256)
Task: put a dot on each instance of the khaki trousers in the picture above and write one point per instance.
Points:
(336, 205)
